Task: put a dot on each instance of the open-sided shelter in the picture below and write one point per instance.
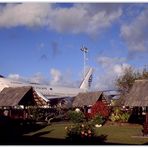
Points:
(13, 99)
(137, 98)
(10, 97)
(138, 95)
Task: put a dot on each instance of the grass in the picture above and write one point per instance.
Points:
(54, 131)
(115, 134)
(123, 134)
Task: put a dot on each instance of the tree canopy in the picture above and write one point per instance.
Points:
(126, 81)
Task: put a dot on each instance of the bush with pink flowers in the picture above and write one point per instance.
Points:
(80, 131)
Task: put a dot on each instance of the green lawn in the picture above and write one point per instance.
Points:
(115, 134)
(123, 134)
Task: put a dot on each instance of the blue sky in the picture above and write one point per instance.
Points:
(41, 42)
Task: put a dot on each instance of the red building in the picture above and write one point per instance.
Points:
(92, 103)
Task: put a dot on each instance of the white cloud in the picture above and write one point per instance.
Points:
(113, 68)
(119, 69)
(38, 78)
(56, 76)
(104, 82)
(62, 79)
(80, 18)
(15, 77)
(135, 33)
(83, 18)
(25, 14)
(108, 61)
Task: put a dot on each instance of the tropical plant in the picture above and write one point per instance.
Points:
(76, 117)
(124, 117)
(98, 120)
(119, 116)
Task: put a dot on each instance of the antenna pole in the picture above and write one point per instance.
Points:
(84, 50)
(84, 63)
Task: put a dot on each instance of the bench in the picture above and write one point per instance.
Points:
(145, 129)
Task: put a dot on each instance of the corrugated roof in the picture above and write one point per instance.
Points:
(89, 98)
(138, 95)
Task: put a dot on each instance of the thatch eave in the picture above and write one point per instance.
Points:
(86, 99)
(138, 95)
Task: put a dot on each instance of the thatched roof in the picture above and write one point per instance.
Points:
(138, 95)
(20, 96)
(89, 98)
(12, 96)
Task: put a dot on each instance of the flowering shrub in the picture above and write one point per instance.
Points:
(80, 131)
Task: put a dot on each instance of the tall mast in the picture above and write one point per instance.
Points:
(85, 51)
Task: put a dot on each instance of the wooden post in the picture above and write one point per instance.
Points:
(24, 112)
(10, 112)
(146, 116)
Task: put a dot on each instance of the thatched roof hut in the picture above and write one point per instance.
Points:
(20, 96)
(138, 95)
(86, 99)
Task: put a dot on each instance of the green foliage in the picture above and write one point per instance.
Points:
(124, 117)
(125, 82)
(36, 113)
(145, 73)
(114, 117)
(119, 115)
(76, 117)
(98, 120)
(80, 131)
(117, 110)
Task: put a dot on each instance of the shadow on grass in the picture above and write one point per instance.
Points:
(36, 139)
(12, 133)
(13, 130)
(18, 130)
